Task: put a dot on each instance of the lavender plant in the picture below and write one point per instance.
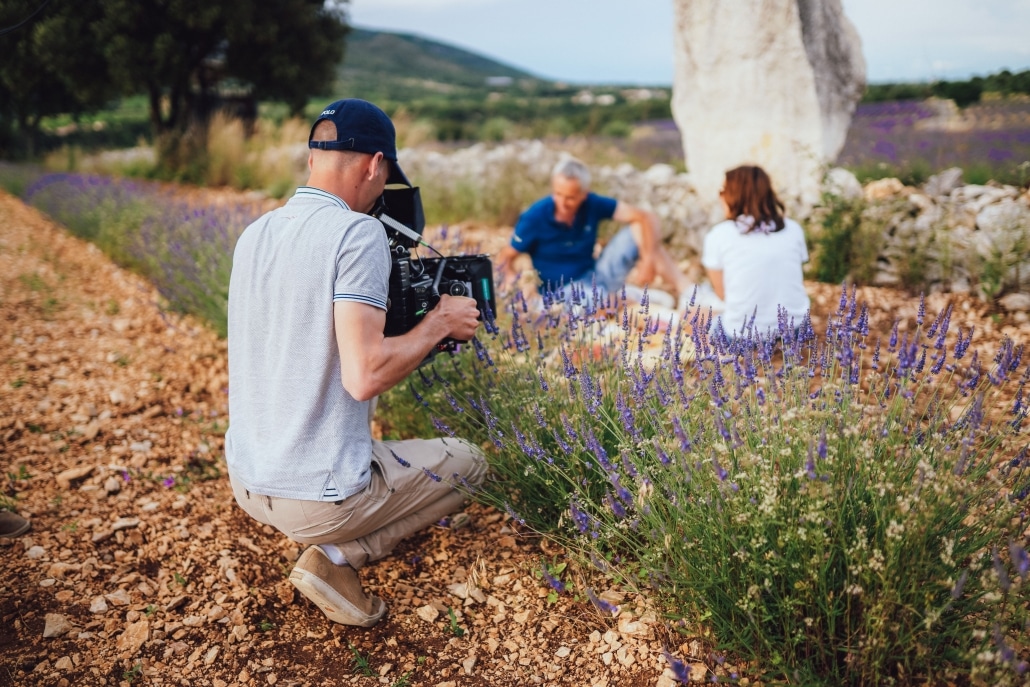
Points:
(184, 249)
(833, 508)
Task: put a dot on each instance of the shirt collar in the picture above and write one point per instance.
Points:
(312, 192)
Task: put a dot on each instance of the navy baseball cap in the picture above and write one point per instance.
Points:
(363, 128)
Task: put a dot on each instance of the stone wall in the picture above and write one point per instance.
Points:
(967, 235)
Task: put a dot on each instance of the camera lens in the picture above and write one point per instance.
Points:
(456, 288)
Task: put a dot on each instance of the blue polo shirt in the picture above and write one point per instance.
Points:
(561, 253)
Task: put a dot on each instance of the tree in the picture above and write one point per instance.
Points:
(74, 55)
(50, 66)
(280, 49)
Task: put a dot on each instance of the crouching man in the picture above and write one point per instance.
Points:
(307, 358)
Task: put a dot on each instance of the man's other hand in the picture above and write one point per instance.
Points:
(460, 315)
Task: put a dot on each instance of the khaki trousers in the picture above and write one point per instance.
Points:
(398, 501)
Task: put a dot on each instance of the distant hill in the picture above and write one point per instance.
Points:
(384, 65)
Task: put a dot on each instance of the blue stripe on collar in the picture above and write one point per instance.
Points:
(319, 193)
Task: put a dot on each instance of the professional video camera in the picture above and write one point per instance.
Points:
(416, 283)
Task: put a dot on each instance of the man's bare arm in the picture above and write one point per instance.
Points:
(645, 231)
(371, 363)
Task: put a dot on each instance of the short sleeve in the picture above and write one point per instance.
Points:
(711, 251)
(603, 206)
(804, 246)
(524, 238)
(363, 265)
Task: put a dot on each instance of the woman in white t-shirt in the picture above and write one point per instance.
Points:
(753, 259)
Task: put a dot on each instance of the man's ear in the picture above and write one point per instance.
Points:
(374, 166)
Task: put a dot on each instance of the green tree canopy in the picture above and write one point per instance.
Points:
(48, 65)
(74, 54)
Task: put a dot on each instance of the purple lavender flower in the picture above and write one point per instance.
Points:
(513, 515)
(680, 669)
(1020, 559)
(399, 459)
(581, 519)
(555, 584)
(168, 482)
(616, 507)
(601, 604)
(956, 591)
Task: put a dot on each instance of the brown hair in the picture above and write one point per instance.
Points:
(748, 191)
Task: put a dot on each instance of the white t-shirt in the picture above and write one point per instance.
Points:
(760, 271)
(294, 431)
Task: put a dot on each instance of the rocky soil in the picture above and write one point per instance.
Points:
(140, 570)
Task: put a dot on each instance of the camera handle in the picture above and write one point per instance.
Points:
(439, 274)
(401, 229)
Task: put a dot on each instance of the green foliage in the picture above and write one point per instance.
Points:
(965, 92)
(834, 510)
(456, 629)
(845, 245)
(131, 674)
(51, 65)
(361, 664)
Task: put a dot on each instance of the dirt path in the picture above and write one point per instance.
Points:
(139, 569)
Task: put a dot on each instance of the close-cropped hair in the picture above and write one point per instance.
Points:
(748, 192)
(325, 130)
(571, 168)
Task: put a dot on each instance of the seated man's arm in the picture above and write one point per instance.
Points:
(371, 363)
(505, 257)
(645, 231)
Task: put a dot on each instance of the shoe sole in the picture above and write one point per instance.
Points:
(344, 612)
(16, 533)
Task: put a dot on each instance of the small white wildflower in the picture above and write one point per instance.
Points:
(809, 622)
(895, 530)
(854, 590)
(949, 548)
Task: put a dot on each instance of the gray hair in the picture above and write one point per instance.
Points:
(571, 168)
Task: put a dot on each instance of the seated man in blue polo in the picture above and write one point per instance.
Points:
(559, 233)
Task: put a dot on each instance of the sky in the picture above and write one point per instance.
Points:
(630, 41)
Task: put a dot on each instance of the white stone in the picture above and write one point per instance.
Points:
(427, 613)
(1015, 301)
(98, 605)
(772, 83)
(843, 184)
(56, 625)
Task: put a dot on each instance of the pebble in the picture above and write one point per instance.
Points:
(64, 479)
(134, 636)
(427, 613)
(56, 625)
(119, 597)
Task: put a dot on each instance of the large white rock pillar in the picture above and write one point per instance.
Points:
(767, 82)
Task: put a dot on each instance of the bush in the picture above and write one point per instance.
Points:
(833, 509)
(845, 243)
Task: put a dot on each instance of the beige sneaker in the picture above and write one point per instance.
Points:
(336, 590)
(12, 524)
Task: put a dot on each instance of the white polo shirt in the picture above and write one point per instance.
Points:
(294, 431)
(760, 270)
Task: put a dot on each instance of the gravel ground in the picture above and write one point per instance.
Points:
(140, 570)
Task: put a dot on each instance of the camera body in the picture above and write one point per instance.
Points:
(416, 284)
